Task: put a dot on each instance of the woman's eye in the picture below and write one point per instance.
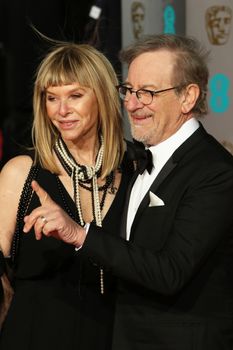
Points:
(74, 96)
(51, 98)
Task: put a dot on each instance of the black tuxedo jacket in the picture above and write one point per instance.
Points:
(175, 274)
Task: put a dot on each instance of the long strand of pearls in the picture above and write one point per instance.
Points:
(83, 173)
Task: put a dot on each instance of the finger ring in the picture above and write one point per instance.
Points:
(43, 218)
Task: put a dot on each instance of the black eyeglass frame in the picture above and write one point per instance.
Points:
(152, 92)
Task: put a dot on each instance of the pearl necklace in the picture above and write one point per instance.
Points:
(81, 174)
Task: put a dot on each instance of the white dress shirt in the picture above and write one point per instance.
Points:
(161, 153)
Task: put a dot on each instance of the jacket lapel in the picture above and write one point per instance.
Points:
(165, 171)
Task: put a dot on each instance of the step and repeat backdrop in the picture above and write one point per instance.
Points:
(211, 23)
(115, 23)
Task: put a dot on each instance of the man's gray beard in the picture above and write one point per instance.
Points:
(145, 139)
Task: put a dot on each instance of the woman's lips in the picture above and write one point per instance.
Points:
(65, 125)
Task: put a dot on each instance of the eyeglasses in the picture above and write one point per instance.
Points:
(143, 95)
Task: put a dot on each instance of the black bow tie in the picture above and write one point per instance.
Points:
(146, 162)
(142, 156)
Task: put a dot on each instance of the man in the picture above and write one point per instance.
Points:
(174, 263)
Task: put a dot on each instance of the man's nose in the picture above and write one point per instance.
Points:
(133, 102)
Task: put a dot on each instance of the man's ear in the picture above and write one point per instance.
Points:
(189, 98)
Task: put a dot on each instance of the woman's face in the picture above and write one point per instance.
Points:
(73, 110)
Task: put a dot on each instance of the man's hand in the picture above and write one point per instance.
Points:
(51, 220)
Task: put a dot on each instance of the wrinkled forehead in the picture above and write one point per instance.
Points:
(152, 68)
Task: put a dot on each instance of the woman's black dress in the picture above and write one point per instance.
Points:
(57, 302)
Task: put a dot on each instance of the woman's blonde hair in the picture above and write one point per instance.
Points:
(68, 63)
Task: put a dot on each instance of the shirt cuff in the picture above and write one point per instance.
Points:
(86, 228)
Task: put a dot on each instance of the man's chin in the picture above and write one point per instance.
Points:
(139, 136)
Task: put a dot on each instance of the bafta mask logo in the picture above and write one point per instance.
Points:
(137, 17)
(218, 24)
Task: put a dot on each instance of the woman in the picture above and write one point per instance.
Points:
(61, 299)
